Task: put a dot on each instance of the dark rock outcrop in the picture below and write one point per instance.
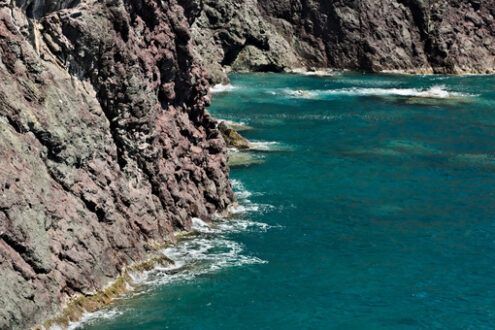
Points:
(105, 145)
(234, 34)
(232, 138)
(417, 36)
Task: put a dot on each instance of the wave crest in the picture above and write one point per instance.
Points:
(219, 88)
(435, 92)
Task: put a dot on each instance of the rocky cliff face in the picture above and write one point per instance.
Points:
(452, 36)
(105, 146)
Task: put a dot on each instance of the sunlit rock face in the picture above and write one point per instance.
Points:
(105, 145)
(418, 36)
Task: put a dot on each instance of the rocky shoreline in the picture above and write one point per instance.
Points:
(106, 147)
(410, 36)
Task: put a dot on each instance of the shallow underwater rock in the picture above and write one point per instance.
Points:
(242, 158)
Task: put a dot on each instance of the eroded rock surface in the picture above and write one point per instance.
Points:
(452, 36)
(105, 146)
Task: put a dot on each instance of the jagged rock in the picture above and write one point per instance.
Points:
(234, 35)
(105, 146)
(418, 36)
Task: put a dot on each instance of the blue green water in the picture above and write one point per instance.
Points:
(374, 209)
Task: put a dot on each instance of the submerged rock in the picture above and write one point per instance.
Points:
(242, 158)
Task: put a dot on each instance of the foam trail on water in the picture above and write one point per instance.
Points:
(200, 226)
(245, 205)
(265, 146)
(219, 88)
(437, 91)
(208, 250)
(89, 318)
(231, 122)
(320, 73)
(198, 256)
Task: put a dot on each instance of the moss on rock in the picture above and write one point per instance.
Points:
(232, 137)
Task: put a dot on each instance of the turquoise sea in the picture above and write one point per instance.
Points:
(371, 206)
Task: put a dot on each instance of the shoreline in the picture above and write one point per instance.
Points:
(316, 71)
(77, 306)
(222, 86)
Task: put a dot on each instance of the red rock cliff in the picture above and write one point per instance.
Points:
(105, 145)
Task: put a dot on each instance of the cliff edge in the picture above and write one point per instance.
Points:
(105, 145)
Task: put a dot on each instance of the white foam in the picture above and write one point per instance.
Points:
(242, 225)
(89, 318)
(219, 88)
(264, 145)
(209, 251)
(438, 91)
(200, 226)
(320, 73)
(302, 93)
(231, 122)
(245, 205)
(245, 209)
(243, 194)
(237, 185)
(198, 256)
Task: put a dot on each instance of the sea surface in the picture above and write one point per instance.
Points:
(369, 204)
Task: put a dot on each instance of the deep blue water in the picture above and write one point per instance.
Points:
(375, 209)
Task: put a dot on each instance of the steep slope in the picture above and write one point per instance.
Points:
(455, 36)
(105, 146)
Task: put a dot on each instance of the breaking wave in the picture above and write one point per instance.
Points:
(207, 250)
(437, 92)
(89, 318)
(320, 73)
(210, 249)
(267, 146)
(196, 256)
(219, 88)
